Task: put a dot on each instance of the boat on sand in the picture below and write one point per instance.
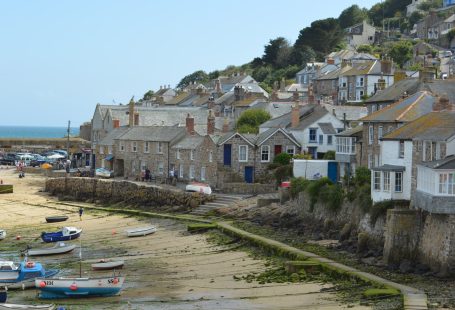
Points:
(58, 248)
(141, 231)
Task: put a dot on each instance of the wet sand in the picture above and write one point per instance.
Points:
(170, 269)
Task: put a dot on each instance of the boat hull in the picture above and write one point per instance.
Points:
(108, 265)
(26, 307)
(26, 284)
(51, 251)
(143, 231)
(56, 219)
(2, 234)
(48, 238)
(78, 287)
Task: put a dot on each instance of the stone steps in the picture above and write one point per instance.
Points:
(221, 201)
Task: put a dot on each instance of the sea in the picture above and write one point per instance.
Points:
(36, 132)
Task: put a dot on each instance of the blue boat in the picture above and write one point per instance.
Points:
(67, 233)
(3, 296)
(53, 288)
(22, 275)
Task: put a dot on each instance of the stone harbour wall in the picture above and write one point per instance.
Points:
(110, 191)
(242, 188)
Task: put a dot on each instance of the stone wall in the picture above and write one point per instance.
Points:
(109, 191)
(247, 189)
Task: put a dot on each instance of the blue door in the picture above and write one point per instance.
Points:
(227, 154)
(249, 174)
(332, 171)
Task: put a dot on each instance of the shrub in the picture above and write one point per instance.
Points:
(298, 185)
(314, 189)
(362, 176)
(329, 155)
(332, 195)
(364, 197)
(303, 156)
(283, 173)
(282, 159)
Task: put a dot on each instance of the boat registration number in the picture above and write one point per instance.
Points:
(110, 281)
(49, 282)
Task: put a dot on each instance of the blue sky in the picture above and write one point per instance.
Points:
(59, 58)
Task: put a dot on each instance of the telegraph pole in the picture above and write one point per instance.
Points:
(68, 139)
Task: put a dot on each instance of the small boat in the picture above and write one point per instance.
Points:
(108, 265)
(2, 234)
(58, 248)
(79, 287)
(3, 296)
(199, 188)
(26, 307)
(141, 231)
(55, 219)
(67, 233)
(22, 276)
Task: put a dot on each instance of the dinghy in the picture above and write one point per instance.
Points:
(141, 231)
(79, 287)
(2, 234)
(108, 265)
(59, 248)
(67, 233)
(199, 188)
(55, 219)
(22, 276)
(26, 307)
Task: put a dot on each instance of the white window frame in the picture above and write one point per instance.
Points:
(370, 135)
(122, 146)
(159, 148)
(202, 173)
(134, 146)
(101, 149)
(446, 183)
(400, 184)
(210, 156)
(380, 133)
(191, 174)
(377, 180)
(265, 150)
(370, 161)
(146, 147)
(177, 154)
(315, 140)
(161, 168)
(246, 153)
(386, 181)
(191, 154)
(181, 171)
(290, 148)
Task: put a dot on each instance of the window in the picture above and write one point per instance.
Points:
(192, 172)
(202, 173)
(360, 81)
(321, 139)
(161, 168)
(379, 132)
(134, 146)
(210, 156)
(329, 140)
(290, 149)
(377, 181)
(122, 146)
(398, 182)
(313, 134)
(386, 181)
(370, 161)
(243, 153)
(345, 145)
(177, 154)
(146, 147)
(181, 171)
(265, 153)
(109, 149)
(447, 183)
(192, 155)
(101, 149)
(159, 148)
(401, 150)
(370, 135)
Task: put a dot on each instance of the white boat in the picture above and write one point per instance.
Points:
(141, 231)
(26, 307)
(199, 188)
(108, 265)
(2, 234)
(79, 287)
(59, 248)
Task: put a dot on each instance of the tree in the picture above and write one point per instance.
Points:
(301, 55)
(250, 120)
(322, 36)
(366, 48)
(197, 76)
(401, 52)
(277, 52)
(351, 16)
(148, 95)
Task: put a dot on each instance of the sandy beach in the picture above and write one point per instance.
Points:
(171, 269)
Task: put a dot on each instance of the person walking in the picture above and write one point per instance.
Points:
(81, 211)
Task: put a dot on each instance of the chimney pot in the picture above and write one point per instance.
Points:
(210, 123)
(189, 124)
(295, 116)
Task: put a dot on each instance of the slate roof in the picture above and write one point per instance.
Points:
(311, 118)
(405, 110)
(258, 139)
(112, 135)
(327, 128)
(435, 126)
(353, 113)
(445, 163)
(356, 131)
(361, 69)
(152, 133)
(189, 142)
(180, 98)
(332, 75)
(285, 120)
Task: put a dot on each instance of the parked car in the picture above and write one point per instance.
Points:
(38, 160)
(104, 173)
(8, 159)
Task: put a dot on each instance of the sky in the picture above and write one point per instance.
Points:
(58, 59)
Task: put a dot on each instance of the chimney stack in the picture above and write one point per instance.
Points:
(443, 104)
(131, 112)
(310, 94)
(295, 116)
(210, 123)
(386, 66)
(211, 103)
(116, 123)
(218, 86)
(189, 124)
